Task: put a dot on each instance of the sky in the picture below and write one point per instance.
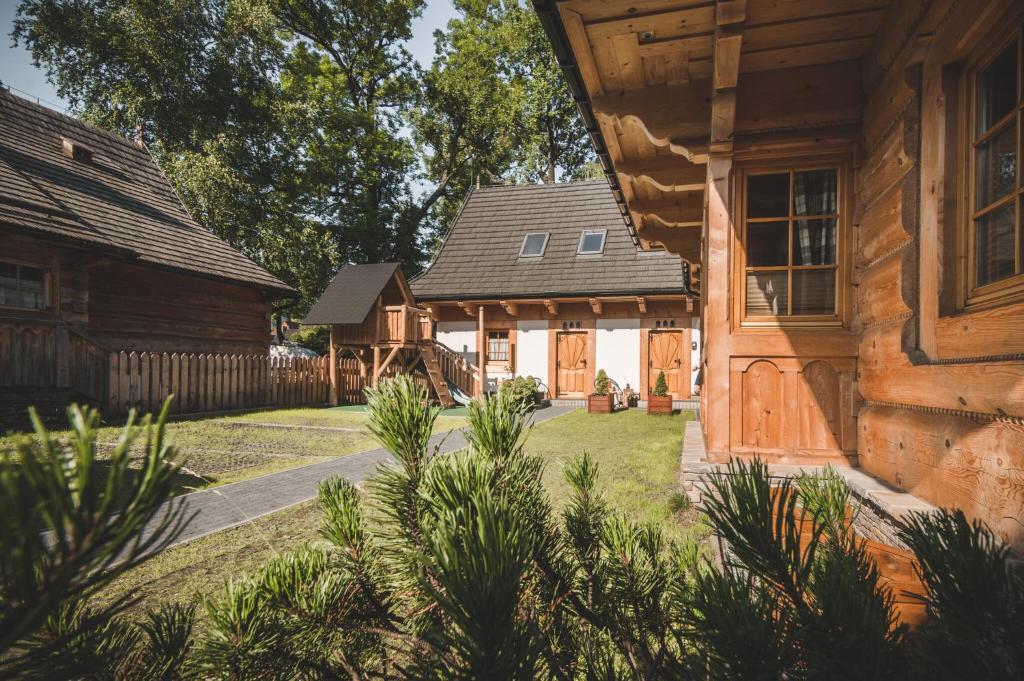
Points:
(17, 71)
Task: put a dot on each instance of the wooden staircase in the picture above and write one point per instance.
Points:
(444, 364)
(437, 379)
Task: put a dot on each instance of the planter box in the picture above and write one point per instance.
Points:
(659, 405)
(601, 404)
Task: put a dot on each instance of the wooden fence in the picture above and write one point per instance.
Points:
(204, 383)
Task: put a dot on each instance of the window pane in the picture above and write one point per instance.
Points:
(814, 292)
(8, 284)
(766, 244)
(768, 195)
(815, 193)
(993, 245)
(533, 244)
(33, 287)
(767, 293)
(814, 242)
(997, 89)
(996, 167)
(592, 242)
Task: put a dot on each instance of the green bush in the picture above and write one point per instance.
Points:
(316, 338)
(660, 386)
(601, 383)
(521, 390)
(455, 566)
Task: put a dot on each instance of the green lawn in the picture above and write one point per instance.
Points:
(220, 450)
(637, 455)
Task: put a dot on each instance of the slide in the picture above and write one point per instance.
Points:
(457, 395)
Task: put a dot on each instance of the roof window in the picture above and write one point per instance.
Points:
(592, 241)
(534, 245)
(76, 150)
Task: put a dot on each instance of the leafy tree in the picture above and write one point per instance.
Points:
(302, 131)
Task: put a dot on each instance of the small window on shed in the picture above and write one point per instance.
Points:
(592, 241)
(534, 245)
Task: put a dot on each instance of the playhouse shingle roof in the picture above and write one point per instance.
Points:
(119, 201)
(351, 294)
(480, 255)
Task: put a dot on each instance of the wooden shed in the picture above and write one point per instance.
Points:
(846, 175)
(98, 254)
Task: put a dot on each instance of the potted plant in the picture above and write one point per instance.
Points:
(659, 401)
(602, 401)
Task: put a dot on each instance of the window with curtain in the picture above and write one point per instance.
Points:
(995, 205)
(790, 228)
(24, 287)
(497, 346)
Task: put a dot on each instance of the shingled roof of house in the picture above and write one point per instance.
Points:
(113, 197)
(480, 257)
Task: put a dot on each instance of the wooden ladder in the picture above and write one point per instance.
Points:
(437, 379)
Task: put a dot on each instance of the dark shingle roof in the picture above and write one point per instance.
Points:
(119, 201)
(351, 294)
(479, 257)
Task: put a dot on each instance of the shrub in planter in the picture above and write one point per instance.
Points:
(602, 401)
(659, 401)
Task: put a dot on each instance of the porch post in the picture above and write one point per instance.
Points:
(333, 359)
(716, 304)
(481, 351)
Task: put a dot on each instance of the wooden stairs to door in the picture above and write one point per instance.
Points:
(443, 365)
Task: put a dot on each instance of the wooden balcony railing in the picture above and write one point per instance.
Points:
(404, 324)
(457, 368)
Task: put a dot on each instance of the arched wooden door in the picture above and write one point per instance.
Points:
(571, 365)
(667, 352)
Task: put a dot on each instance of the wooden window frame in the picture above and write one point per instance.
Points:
(508, 347)
(1009, 289)
(840, 162)
(48, 288)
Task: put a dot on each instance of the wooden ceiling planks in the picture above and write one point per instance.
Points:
(671, 81)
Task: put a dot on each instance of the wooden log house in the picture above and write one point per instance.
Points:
(846, 174)
(545, 281)
(98, 255)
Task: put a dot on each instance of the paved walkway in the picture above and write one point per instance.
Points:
(223, 507)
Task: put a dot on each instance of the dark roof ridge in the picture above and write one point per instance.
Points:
(542, 185)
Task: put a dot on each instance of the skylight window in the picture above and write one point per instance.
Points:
(534, 245)
(592, 241)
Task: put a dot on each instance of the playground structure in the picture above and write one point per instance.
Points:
(372, 315)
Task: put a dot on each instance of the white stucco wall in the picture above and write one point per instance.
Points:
(618, 350)
(532, 348)
(694, 354)
(460, 337)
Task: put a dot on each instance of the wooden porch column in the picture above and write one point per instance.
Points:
(376, 365)
(481, 352)
(333, 359)
(715, 300)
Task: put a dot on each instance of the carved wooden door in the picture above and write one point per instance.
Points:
(667, 353)
(571, 364)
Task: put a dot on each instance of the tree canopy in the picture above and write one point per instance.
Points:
(303, 131)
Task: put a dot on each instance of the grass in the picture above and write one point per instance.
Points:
(220, 450)
(637, 456)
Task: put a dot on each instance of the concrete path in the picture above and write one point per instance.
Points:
(223, 507)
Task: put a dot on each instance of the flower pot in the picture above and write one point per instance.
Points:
(659, 405)
(600, 404)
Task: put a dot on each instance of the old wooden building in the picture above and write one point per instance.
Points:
(97, 253)
(846, 174)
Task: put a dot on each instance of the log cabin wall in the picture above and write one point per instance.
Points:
(942, 381)
(147, 309)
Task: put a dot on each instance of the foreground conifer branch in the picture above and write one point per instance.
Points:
(455, 566)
